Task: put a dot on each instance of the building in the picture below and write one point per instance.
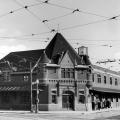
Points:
(105, 86)
(67, 79)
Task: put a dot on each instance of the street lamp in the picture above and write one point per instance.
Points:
(31, 86)
(37, 91)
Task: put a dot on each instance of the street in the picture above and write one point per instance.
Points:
(106, 115)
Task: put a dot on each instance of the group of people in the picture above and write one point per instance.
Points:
(98, 104)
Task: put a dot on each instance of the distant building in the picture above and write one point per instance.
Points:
(67, 79)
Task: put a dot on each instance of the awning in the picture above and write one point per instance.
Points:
(14, 88)
(105, 90)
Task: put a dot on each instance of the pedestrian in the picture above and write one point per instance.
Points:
(99, 104)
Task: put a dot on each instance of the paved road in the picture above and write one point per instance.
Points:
(106, 115)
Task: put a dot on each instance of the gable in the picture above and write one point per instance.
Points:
(66, 61)
(58, 45)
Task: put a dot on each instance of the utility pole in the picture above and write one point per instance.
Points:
(31, 87)
(37, 91)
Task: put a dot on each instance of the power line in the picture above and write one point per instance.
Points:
(52, 4)
(26, 7)
(86, 24)
(85, 12)
(94, 40)
(54, 18)
(18, 9)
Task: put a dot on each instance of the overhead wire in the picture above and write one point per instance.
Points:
(33, 14)
(18, 9)
(72, 9)
(54, 18)
(53, 30)
(86, 24)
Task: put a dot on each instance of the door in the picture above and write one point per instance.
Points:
(68, 100)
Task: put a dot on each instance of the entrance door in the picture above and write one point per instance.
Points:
(68, 100)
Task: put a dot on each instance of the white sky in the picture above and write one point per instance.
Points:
(97, 37)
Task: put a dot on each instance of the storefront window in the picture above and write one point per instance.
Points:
(81, 97)
(54, 96)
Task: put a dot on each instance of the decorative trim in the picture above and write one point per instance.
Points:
(52, 65)
(81, 66)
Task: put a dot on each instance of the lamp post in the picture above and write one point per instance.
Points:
(31, 87)
(37, 91)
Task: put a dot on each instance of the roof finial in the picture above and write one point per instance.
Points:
(58, 28)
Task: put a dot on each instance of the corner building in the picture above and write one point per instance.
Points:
(65, 78)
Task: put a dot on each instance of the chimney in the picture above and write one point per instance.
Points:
(83, 50)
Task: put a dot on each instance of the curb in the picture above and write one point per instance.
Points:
(60, 112)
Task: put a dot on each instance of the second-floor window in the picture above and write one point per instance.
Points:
(5, 76)
(105, 80)
(26, 78)
(116, 82)
(110, 80)
(99, 78)
(93, 77)
(67, 73)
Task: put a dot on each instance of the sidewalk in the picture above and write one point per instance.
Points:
(47, 112)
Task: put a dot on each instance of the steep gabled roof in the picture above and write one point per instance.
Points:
(53, 53)
(105, 69)
(22, 59)
(32, 55)
(58, 45)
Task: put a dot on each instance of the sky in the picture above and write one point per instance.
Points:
(31, 24)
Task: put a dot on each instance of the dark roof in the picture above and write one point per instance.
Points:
(53, 52)
(105, 90)
(105, 69)
(22, 59)
(58, 45)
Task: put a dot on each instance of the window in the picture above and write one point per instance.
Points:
(54, 96)
(71, 73)
(67, 73)
(6, 76)
(110, 80)
(99, 78)
(105, 79)
(63, 72)
(81, 98)
(93, 77)
(26, 78)
(116, 82)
